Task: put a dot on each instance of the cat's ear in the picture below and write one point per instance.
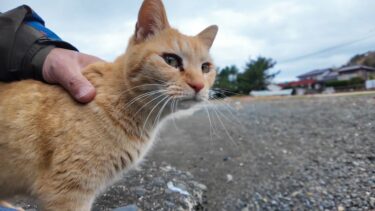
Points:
(152, 18)
(207, 36)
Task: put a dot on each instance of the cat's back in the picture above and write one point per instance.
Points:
(37, 117)
(40, 114)
(21, 101)
(32, 114)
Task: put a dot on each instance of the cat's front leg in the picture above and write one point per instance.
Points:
(71, 200)
(68, 202)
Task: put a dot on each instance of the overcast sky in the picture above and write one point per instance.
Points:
(284, 30)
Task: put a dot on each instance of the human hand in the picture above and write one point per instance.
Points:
(64, 67)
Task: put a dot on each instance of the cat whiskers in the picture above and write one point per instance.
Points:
(219, 115)
(139, 86)
(212, 129)
(176, 91)
(222, 91)
(157, 119)
(152, 110)
(118, 111)
(139, 97)
(174, 110)
(228, 108)
(142, 96)
(162, 93)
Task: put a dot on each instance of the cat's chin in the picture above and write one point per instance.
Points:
(188, 104)
(186, 108)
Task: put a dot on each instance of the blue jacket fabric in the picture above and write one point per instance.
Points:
(25, 42)
(6, 209)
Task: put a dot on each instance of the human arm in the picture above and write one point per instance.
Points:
(30, 50)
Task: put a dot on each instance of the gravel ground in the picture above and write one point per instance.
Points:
(154, 188)
(286, 154)
(313, 153)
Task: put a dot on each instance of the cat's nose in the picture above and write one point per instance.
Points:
(196, 86)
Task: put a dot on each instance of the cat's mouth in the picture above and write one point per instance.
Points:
(186, 99)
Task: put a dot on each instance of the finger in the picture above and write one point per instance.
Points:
(79, 87)
(85, 59)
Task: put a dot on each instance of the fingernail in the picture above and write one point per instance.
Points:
(83, 92)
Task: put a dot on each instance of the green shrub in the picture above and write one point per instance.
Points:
(356, 81)
(347, 83)
(337, 83)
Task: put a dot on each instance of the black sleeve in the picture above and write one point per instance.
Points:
(24, 44)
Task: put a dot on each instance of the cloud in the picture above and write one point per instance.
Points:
(108, 45)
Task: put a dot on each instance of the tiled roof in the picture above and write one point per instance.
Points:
(330, 76)
(314, 72)
(356, 67)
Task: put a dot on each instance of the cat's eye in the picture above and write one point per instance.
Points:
(206, 67)
(173, 60)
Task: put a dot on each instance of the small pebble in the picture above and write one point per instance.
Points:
(340, 208)
(372, 202)
(229, 177)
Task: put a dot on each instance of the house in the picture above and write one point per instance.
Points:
(306, 83)
(318, 75)
(300, 87)
(356, 71)
(332, 76)
(319, 80)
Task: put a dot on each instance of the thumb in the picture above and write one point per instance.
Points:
(79, 87)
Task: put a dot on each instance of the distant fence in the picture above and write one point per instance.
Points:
(370, 84)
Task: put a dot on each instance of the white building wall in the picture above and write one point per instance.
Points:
(348, 76)
(370, 84)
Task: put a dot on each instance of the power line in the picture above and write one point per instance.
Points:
(326, 49)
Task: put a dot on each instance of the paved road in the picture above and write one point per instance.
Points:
(294, 154)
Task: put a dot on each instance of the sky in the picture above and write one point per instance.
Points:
(300, 35)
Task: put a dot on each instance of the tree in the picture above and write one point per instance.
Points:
(226, 80)
(256, 75)
(367, 59)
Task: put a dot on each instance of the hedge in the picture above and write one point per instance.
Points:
(351, 82)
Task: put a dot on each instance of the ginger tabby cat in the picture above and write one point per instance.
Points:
(64, 153)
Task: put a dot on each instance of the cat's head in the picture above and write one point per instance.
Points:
(162, 61)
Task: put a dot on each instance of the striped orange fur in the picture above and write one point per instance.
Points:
(64, 153)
